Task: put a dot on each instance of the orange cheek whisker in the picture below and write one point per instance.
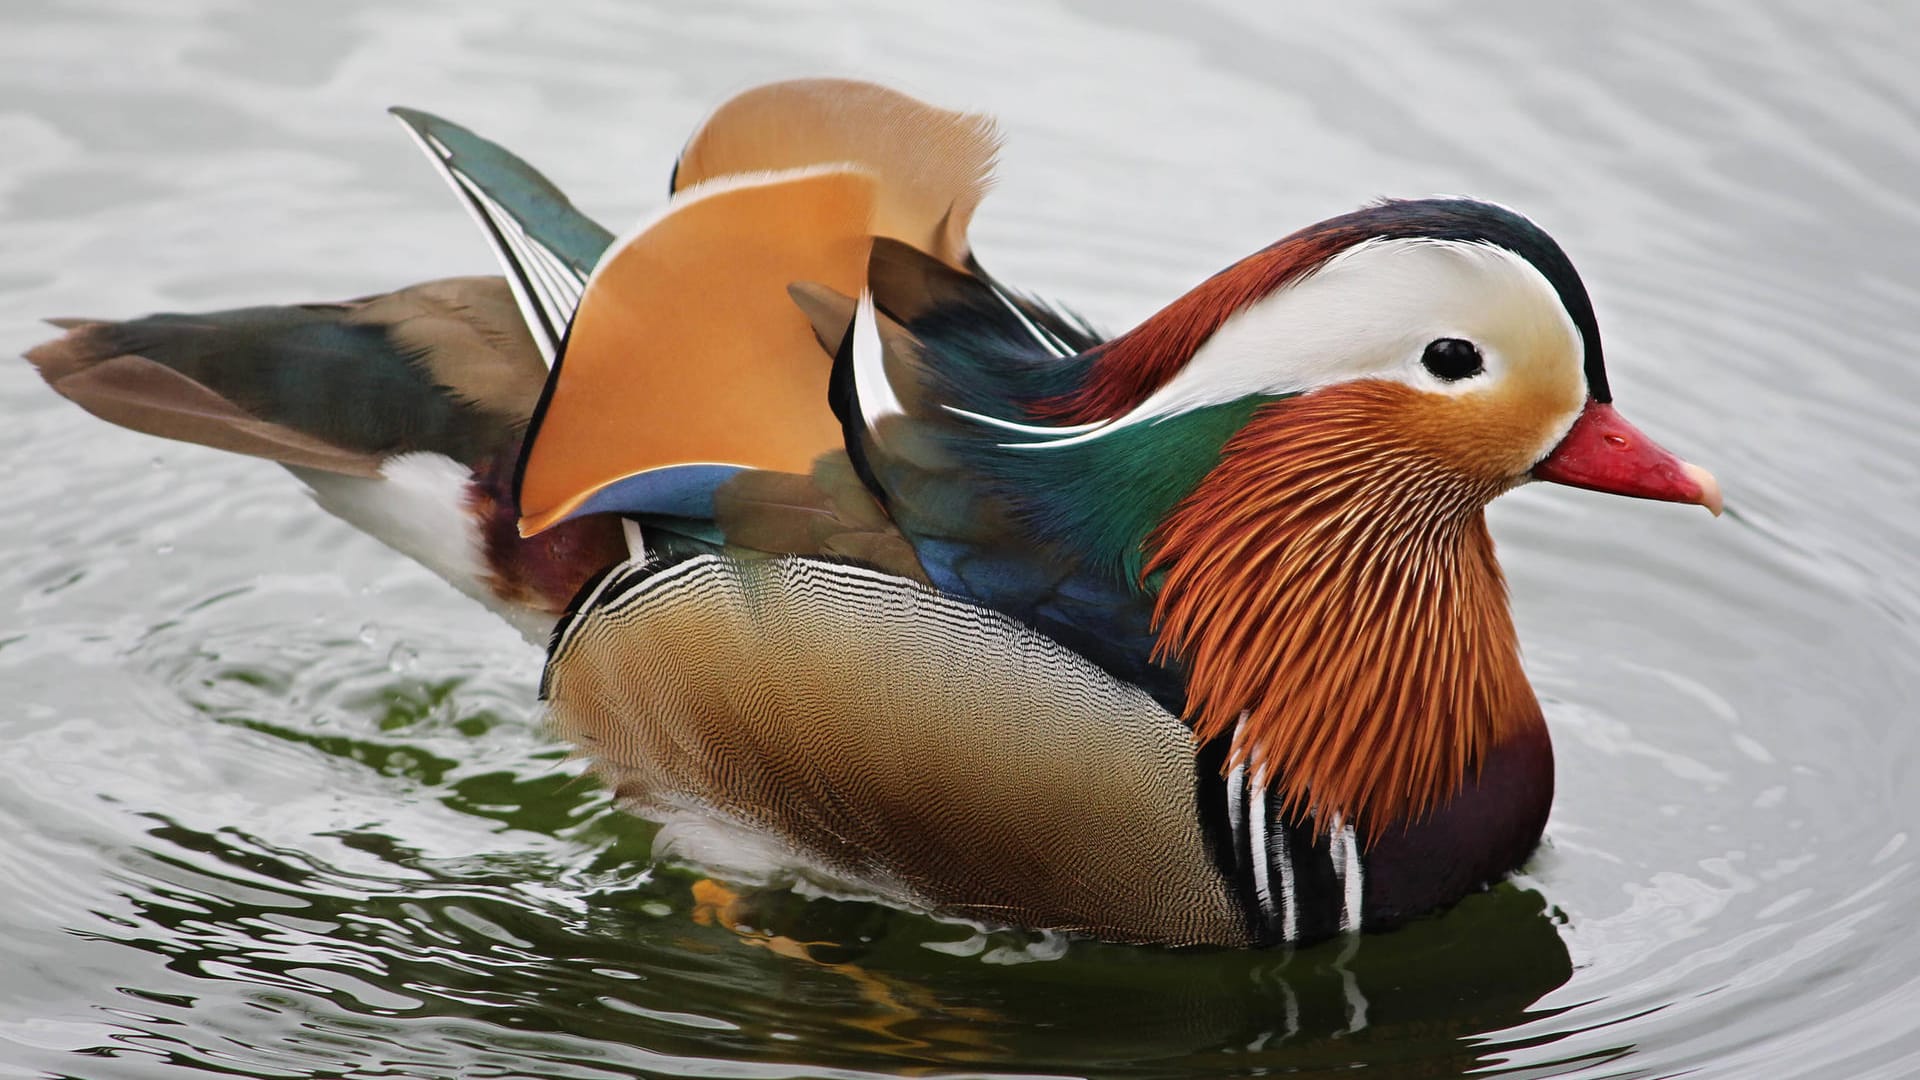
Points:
(1331, 590)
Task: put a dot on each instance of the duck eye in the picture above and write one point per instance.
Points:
(1452, 359)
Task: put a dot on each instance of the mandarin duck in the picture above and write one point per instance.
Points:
(870, 570)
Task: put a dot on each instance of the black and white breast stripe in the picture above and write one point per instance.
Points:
(1296, 883)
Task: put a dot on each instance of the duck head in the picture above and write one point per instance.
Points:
(1328, 583)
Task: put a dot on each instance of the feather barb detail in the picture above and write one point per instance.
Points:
(1333, 581)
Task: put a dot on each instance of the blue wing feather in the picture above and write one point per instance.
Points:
(547, 248)
(985, 351)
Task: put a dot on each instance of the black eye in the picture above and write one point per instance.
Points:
(1451, 359)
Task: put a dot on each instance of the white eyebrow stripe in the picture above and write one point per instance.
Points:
(1366, 313)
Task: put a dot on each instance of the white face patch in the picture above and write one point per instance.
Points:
(1370, 313)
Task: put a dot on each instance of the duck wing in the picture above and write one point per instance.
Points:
(546, 247)
(686, 352)
(851, 726)
(931, 373)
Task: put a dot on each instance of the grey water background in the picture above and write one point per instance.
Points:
(275, 803)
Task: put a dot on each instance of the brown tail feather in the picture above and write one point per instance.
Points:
(134, 392)
(444, 366)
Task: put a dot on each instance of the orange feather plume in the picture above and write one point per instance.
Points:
(1332, 590)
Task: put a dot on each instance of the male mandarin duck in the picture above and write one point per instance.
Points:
(877, 572)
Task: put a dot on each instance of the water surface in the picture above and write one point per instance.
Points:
(277, 803)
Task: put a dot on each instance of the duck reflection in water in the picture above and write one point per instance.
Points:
(368, 954)
(1435, 994)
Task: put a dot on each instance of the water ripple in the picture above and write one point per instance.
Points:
(282, 803)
